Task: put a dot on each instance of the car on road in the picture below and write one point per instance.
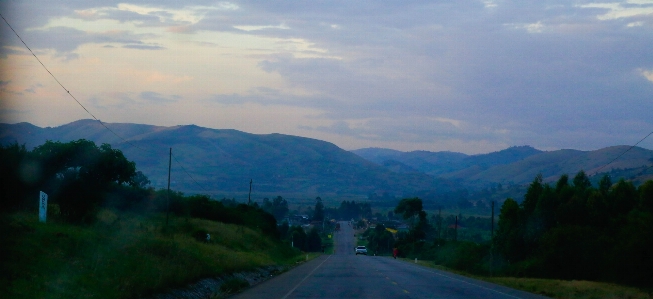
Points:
(361, 250)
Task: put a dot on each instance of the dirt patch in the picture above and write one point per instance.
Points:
(210, 287)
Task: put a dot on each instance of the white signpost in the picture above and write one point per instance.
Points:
(43, 206)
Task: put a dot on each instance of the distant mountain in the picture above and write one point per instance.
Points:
(520, 165)
(378, 155)
(223, 161)
(555, 163)
(441, 163)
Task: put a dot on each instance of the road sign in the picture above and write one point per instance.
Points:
(43, 206)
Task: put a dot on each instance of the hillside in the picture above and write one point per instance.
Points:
(519, 165)
(446, 163)
(555, 163)
(222, 162)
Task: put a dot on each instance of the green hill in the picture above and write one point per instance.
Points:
(222, 162)
(519, 165)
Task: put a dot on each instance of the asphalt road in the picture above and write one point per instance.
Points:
(346, 275)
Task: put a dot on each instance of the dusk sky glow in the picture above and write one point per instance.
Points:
(464, 76)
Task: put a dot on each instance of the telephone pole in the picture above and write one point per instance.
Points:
(249, 197)
(492, 240)
(455, 230)
(439, 225)
(168, 194)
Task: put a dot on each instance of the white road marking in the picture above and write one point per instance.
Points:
(309, 274)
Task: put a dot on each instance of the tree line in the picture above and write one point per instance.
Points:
(567, 230)
(81, 177)
(573, 230)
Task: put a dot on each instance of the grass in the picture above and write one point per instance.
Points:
(328, 244)
(554, 288)
(577, 289)
(125, 256)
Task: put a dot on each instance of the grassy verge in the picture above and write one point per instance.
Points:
(554, 288)
(125, 256)
(328, 245)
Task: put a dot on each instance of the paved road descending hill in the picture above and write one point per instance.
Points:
(346, 275)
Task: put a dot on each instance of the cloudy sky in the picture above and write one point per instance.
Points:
(467, 76)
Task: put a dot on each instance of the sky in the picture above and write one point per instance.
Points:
(463, 76)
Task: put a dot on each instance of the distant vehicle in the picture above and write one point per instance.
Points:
(361, 250)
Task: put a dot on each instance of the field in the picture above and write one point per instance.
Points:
(125, 256)
(555, 288)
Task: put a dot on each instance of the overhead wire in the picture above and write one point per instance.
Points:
(623, 153)
(89, 112)
(183, 168)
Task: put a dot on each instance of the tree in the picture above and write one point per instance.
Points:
(509, 238)
(604, 185)
(646, 196)
(79, 173)
(409, 207)
(532, 195)
(318, 212)
(140, 180)
(313, 240)
(278, 207)
(19, 174)
(298, 237)
(622, 197)
(581, 182)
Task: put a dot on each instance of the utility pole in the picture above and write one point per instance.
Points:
(439, 225)
(492, 224)
(168, 194)
(249, 197)
(492, 240)
(455, 230)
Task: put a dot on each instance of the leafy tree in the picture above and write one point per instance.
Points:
(278, 207)
(313, 240)
(581, 182)
(79, 174)
(532, 195)
(19, 174)
(283, 230)
(509, 239)
(379, 240)
(140, 180)
(623, 197)
(646, 196)
(409, 207)
(318, 212)
(298, 237)
(604, 185)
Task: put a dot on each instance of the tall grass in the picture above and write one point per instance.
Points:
(556, 288)
(124, 256)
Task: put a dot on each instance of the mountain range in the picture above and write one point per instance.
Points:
(222, 162)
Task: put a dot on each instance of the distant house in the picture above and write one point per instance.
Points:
(403, 228)
(297, 220)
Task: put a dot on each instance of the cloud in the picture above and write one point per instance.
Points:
(32, 88)
(157, 98)
(65, 40)
(547, 73)
(268, 96)
(143, 47)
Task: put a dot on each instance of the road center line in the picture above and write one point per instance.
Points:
(309, 274)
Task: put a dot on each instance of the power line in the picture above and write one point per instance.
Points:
(64, 88)
(191, 177)
(87, 111)
(627, 150)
